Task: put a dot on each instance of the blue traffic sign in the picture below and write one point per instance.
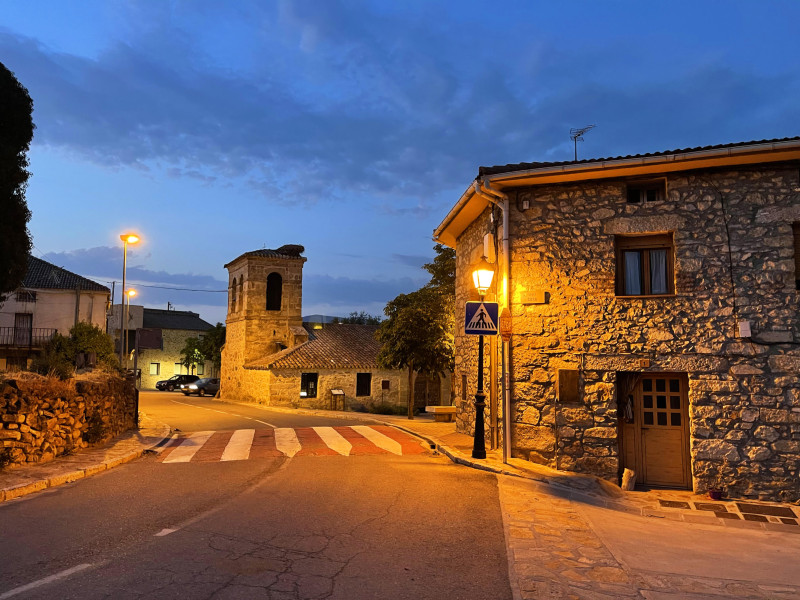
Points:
(480, 318)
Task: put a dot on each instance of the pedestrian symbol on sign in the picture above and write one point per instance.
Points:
(481, 318)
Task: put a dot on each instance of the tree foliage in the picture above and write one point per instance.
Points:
(191, 356)
(359, 318)
(211, 344)
(60, 355)
(16, 133)
(418, 334)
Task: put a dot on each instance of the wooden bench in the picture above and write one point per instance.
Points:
(442, 414)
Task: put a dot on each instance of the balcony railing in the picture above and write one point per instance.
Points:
(25, 337)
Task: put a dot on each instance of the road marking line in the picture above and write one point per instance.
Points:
(238, 447)
(265, 423)
(381, 441)
(225, 413)
(45, 581)
(164, 532)
(189, 447)
(334, 440)
(286, 441)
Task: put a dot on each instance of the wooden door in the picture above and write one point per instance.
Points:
(23, 329)
(662, 414)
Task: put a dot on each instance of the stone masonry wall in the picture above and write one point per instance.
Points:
(733, 261)
(44, 417)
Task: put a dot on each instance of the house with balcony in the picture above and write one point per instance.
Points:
(654, 314)
(50, 300)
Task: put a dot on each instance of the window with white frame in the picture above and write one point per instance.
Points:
(155, 368)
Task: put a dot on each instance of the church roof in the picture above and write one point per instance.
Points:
(286, 251)
(336, 346)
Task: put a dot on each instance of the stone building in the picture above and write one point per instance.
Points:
(271, 357)
(171, 328)
(654, 301)
(50, 300)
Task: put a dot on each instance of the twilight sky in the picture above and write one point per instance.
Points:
(215, 128)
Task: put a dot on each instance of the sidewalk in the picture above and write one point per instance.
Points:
(675, 505)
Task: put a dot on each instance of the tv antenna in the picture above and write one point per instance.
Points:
(576, 135)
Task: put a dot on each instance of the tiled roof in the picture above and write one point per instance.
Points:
(339, 346)
(157, 318)
(285, 251)
(527, 166)
(44, 275)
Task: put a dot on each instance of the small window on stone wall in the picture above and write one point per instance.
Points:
(363, 384)
(274, 291)
(463, 387)
(176, 369)
(638, 192)
(308, 385)
(568, 386)
(796, 234)
(155, 368)
(644, 265)
(201, 369)
(385, 384)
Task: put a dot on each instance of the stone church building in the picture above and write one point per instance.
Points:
(271, 357)
(655, 313)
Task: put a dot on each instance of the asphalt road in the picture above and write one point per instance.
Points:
(340, 527)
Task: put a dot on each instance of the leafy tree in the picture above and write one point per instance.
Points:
(16, 133)
(360, 318)
(210, 345)
(417, 335)
(442, 270)
(191, 355)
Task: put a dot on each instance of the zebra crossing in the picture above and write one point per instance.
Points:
(245, 444)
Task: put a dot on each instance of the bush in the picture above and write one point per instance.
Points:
(60, 355)
(384, 408)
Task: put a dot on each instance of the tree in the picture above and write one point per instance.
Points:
(442, 270)
(60, 355)
(16, 133)
(211, 344)
(418, 336)
(191, 356)
(360, 318)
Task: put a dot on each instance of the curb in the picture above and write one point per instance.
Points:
(81, 473)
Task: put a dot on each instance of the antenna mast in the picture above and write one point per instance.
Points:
(576, 135)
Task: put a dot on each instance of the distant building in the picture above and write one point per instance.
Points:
(50, 300)
(170, 329)
(272, 357)
(655, 310)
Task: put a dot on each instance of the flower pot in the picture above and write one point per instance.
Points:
(715, 494)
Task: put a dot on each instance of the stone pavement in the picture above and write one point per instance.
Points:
(554, 546)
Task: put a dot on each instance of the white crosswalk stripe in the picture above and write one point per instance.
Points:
(189, 447)
(334, 440)
(238, 447)
(286, 441)
(380, 440)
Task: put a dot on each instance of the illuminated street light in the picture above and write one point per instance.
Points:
(127, 238)
(482, 276)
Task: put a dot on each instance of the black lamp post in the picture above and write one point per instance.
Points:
(482, 277)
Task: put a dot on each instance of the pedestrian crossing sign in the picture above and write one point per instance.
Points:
(481, 318)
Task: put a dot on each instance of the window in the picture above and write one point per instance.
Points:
(308, 385)
(25, 296)
(646, 191)
(233, 295)
(274, 291)
(241, 293)
(796, 233)
(201, 369)
(177, 368)
(463, 387)
(155, 368)
(363, 384)
(385, 384)
(644, 265)
(568, 386)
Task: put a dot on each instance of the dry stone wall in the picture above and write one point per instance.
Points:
(44, 417)
(733, 261)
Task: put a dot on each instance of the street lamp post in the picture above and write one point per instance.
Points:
(127, 300)
(482, 277)
(127, 238)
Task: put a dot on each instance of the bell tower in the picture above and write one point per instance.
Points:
(265, 301)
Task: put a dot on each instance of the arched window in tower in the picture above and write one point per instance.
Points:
(241, 292)
(274, 291)
(233, 296)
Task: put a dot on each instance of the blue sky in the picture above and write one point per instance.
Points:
(216, 128)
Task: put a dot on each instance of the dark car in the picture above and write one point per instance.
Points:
(201, 387)
(174, 382)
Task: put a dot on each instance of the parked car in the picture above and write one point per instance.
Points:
(174, 382)
(201, 387)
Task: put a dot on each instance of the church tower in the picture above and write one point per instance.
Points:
(265, 301)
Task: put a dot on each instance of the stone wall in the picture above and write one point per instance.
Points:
(733, 261)
(44, 417)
